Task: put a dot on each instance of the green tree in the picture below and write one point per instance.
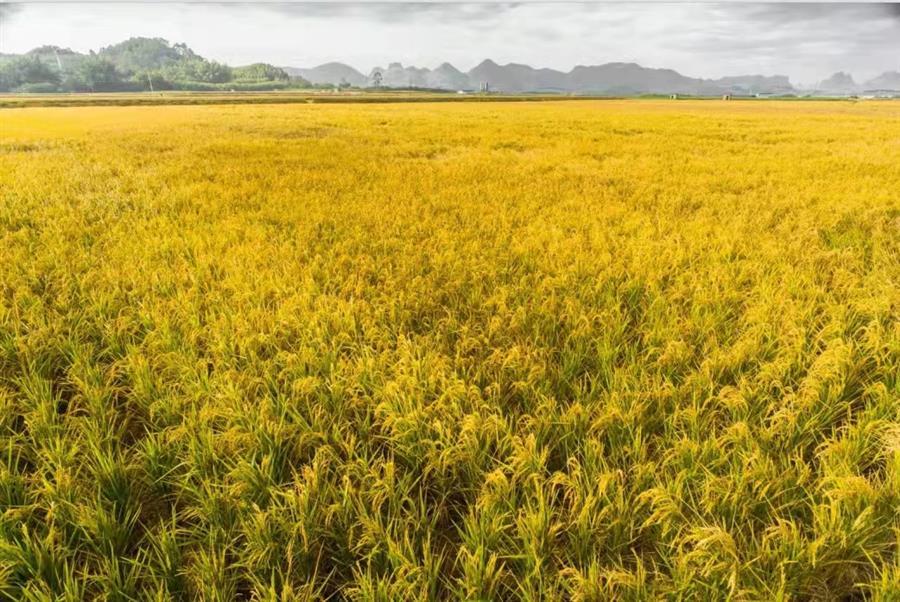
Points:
(99, 74)
(138, 54)
(197, 69)
(28, 69)
(151, 79)
(260, 72)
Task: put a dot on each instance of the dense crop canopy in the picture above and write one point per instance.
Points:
(581, 350)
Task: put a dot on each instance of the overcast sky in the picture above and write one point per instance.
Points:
(805, 41)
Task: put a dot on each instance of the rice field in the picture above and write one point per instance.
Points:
(594, 350)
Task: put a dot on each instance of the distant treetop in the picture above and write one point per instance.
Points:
(140, 54)
(50, 49)
(133, 65)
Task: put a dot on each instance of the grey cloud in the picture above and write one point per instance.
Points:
(799, 12)
(544, 34)
(391, 11)
(7, 10)
(788, 25)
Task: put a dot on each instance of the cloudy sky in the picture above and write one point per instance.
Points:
(805, 41)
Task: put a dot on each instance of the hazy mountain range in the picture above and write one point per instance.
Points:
(843, 83)
(609, 78)
(139, 63)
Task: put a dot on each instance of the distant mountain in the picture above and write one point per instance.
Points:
(839, 83)
(771, 84)
(398, 76)
(142, 62)
(516, 77)
(447, 77)
(330, 73)
(889, 80)
(620, 79)
(611, 78)
(630, 78)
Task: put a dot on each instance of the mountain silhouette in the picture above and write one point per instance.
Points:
(609, 78)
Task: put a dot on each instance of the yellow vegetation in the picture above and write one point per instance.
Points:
(581, 350)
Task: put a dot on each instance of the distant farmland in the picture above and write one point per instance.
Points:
(486, 351)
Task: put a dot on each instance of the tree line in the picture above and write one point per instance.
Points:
(137, 64)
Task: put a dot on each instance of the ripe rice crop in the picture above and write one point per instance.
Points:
(587, 350)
